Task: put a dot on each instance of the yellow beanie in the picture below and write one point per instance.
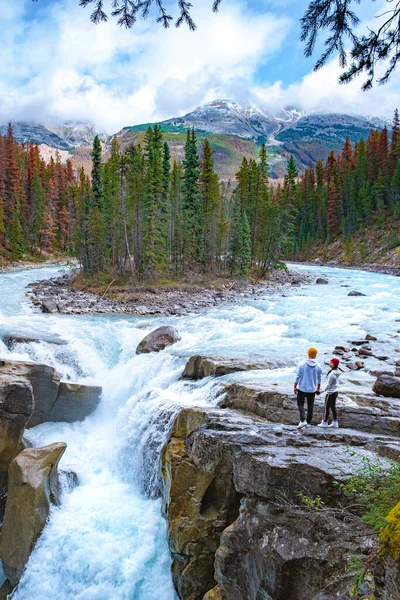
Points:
(312, 353)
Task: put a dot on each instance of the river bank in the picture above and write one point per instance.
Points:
(376, 249)
(368, 267)
(63, 295)
(17, 266)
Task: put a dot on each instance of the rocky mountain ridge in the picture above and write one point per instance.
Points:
(235, 130)
(253, 122)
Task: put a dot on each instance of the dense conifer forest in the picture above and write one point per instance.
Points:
(145, 216)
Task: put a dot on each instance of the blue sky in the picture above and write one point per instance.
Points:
(56, 65)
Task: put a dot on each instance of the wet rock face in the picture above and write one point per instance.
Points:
(236, 527)
(198, 367)
(75, 402)
(32, 487)
(16, 407)
(54, 399)
(158, 340)
(387, 385)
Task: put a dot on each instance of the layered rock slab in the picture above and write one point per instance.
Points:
(217, 461)
(54, 400)
(199, 367)
(32, 487)
(365, 412)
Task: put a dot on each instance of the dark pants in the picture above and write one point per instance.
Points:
(301, 396)
(330, 404)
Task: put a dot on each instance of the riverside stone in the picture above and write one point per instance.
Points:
(54, 400)
(32, 487)
(198, 367)
(387, 385)
(158, 340)
(48, 305)
(322, 281)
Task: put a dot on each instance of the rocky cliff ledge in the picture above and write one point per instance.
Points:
(237, 528)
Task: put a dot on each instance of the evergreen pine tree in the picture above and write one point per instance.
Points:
(97, 248)
(176, 224)
(210, 205)
(16, 236)
(97, 179)
(155, 236)
(193, 248)
(240, 257)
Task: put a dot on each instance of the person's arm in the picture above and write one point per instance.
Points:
(327, 386)
(297, 378)
(318, 390)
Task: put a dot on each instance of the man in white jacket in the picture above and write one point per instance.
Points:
(306, 384)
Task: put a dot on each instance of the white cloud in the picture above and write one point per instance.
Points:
(320, 91)
(67, 68)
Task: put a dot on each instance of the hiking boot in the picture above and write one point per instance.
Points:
(323, 424)
(334, 424)
(302, 424)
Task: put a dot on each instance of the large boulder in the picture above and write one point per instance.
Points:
(198, 367)
(16, 407)
(158, 339)
(32, 487)
(54, 399)
(45, 383)
(387, 385)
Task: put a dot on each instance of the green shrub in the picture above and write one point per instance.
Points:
(376, 488)
(312, 503)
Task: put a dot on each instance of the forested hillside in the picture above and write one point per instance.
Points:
(39, 202)
(144, 215)
(353, 191)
